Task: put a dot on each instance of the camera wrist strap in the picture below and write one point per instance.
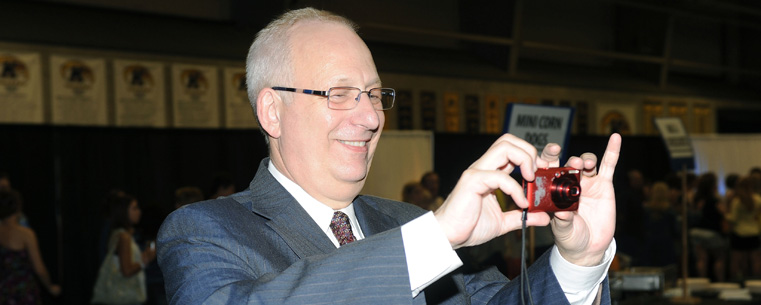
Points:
(524, 270)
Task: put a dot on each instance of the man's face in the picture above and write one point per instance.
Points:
(328, 152)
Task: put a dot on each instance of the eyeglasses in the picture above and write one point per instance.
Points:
(345, 98)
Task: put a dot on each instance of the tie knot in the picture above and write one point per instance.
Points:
(341, 228)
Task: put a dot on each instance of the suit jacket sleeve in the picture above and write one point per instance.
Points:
(544, 287)
(204, 264)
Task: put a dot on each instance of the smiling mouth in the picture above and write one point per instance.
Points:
(354, 143)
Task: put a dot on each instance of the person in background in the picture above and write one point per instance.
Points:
(187, 195)
(729, 187)
(660, 225)
(755, 179)
(106, 224)
(692, 186)
(414, 193)
(743, 217)
(707, 235)
(221, 185)
(125, 214)
(5, 181)
(5, 184)
(630, 196)
(676, 198)
(430, 181)
(20, 259)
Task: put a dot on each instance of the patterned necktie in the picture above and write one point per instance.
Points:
(341, 228)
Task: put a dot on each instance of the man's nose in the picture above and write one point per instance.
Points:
(366, 113)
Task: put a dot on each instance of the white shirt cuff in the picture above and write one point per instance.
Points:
(428, 252)
(580, 284)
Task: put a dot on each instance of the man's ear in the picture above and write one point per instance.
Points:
(268, 104)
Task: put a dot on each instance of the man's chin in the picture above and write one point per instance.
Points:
(353, 177)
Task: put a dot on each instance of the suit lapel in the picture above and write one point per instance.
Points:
(371, 219)
(286, 216)
(300, 232)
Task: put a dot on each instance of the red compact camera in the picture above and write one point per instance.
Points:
(554, 189)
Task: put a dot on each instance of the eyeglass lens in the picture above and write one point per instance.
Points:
(347, 98)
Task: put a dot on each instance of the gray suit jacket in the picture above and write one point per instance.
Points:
(260, 246)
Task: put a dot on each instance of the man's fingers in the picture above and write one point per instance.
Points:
(512, 220)
(575, 162)
(550, 156)
(610, 158)
(521, 143)
(589, 164)
(564, 216)
(483, 182)
(562, 223)
(508, 150)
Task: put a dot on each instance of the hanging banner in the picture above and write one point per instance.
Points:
(238, 110)
(404, 109)
(702, 115)
(651, 109)
(492, 114)
(451, 112)
(428, 110)
(616, 117)
(139, 93)
(678, 109)
(78, 90)
(539, 124)
(21, 88)
(472, 114)
(195, 96)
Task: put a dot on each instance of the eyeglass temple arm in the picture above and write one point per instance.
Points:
(305, 91)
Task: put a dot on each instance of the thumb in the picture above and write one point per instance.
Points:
(562, 223)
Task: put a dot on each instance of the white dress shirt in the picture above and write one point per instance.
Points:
(430, 256)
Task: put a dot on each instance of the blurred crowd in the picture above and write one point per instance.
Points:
(127, 255)
(722, 233)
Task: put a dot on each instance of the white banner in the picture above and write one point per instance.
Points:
(238, 111)
(21, 88)
(195, 96)
(725, 154)
(538, 124)
(78, 87)
(139, 93)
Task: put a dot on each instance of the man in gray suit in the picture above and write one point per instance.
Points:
(301, 233)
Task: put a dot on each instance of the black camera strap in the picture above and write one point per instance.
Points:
(524, 270)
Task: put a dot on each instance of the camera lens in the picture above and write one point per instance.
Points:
(565, 191)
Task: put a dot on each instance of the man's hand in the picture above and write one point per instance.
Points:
(583, 236)
(471, 214)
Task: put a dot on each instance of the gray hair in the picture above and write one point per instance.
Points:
(269, 59)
